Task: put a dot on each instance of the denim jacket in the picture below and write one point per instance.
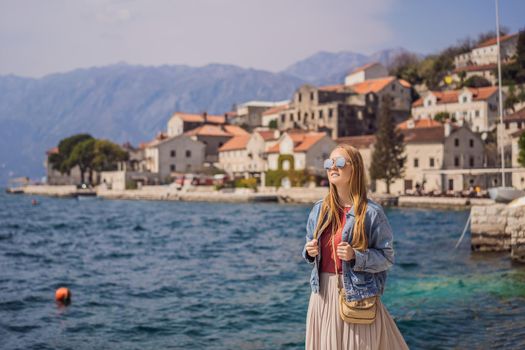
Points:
(365, 275)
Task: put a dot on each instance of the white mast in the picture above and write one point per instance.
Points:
(500, 99)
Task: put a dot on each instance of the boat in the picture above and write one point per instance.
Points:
(502, 194)
(505, 194)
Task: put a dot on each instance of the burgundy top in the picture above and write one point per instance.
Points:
(327, 254)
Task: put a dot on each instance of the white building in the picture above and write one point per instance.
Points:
(475, 107)
(487, 52)
(369, 71)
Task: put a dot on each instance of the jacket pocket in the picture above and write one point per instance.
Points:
(362, 279)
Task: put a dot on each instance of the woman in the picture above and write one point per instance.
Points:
(353, 229)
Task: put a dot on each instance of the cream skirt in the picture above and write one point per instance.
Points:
(325, 330)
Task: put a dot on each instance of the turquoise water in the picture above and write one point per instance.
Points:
(156, 275)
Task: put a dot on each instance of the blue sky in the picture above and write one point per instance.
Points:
(43, 37)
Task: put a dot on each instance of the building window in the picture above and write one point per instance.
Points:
(519, 125)
(456, 142)
(188, 152)
(506, 126)
(299, 116)
(471, 142)
(320, 114)
(471, 162)
(464, 99)
(456, 161)
(172, 153)
(330, 113)
(291, 117)
(172, 167)
(299, 97)
(416, 162)
(283, 118)
(431, 162)
(311, 96)
(393, 87)
(477, 113)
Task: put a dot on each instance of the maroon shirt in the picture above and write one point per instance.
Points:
(327, 254)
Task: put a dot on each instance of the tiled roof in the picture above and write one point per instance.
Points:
(451, 96)
(208, 130)
(363, 141)
(235, 143)
(424, 135)
(372, 85)
(419, 123)
(364, 67)
(493, 41)
(302, 141)
(405, 83)
(235, 130)
(53, 150)
(517, 116)
(267, 135)
(275, 109)
(199, 118)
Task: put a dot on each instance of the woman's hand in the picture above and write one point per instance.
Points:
(312, 248)
(345, 251)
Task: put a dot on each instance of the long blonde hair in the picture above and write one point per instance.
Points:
(331, 209)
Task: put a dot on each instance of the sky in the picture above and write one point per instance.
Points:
(40, 37)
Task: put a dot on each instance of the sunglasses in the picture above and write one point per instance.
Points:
(339, 162)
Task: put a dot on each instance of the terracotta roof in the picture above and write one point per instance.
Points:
(275, 109)
(424, 135)
(208, 130)
(235, 143)
(451, 96)
(53, 150)
(517, 116)
(420, 123)
(302, 141)
(474, 68)
(336, 87)
(405, 83)
(493, 41)
(235, 130)
(363, 141)
(372, 85)
(199, 118)
(366, 66)
(267, 135)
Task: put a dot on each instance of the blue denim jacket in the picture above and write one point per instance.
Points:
(365, 275)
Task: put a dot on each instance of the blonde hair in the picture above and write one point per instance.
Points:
(331, 209)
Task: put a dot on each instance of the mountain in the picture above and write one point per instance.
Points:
(325, 68)
(120, 102)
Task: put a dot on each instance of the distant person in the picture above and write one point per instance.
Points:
(349, 242)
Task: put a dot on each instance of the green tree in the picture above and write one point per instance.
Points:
(60, 161)
(387, 159)
(273, 124)
(511, 99)
(521, 150)
(514, 72)
(82, 156)
(442, 116)
(476, 81)
(107, 155)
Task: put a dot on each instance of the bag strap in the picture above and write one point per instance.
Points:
(335, 263)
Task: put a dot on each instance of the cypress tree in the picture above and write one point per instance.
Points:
(387, 159)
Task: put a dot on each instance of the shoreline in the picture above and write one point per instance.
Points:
(242, 195)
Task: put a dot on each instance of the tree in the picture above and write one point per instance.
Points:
(82, 156)
(514, 72)
(60, 161)
(273, 124)
(521, 150)
(511, 98)
(387, 159)
(107, 155)
(442, 116)
(476, 81)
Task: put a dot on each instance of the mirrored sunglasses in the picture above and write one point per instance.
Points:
(340, 163)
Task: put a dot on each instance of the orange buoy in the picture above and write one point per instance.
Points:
(63, 294)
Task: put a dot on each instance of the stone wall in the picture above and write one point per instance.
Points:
(498, 228)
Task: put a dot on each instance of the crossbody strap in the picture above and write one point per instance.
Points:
(335, 262)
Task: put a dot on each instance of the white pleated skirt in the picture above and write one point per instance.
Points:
(325, 330)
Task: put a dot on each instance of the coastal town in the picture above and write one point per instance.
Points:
(450, 136)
